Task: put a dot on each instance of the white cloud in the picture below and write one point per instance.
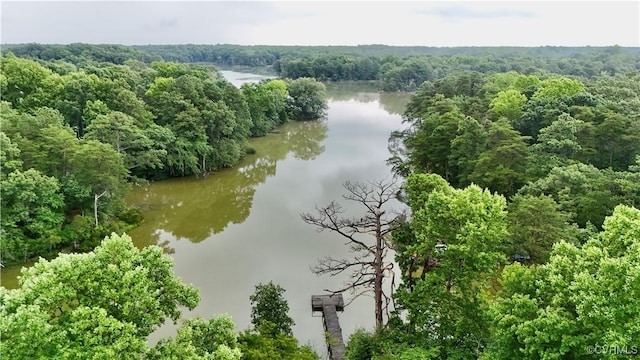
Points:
(428, 23)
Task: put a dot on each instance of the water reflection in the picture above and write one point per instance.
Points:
(394, 102)
(361, 91)
(366, 91)
(196, 208)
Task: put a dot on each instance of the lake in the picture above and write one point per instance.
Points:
(238, 227)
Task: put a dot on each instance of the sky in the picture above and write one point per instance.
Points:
(417, 23)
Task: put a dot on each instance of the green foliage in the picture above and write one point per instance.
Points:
(565, 124)
(558, 86)
(506, 81)
(539, 113)
(392, 342)
(399, 67)
(271, 337)
(584, 297)
(141, 148)
(84, 119)
(95, 126)
(21, 78)
(200, 339)
(508, 103)
(459, 236)
(466, 147)
(9, 156)
(407, 75)
(269, 310)
(443, 140)
(535, 223)
(307, 99)
(31, 214)
(206, 119)
(586, 193)
(360, 346)
(501, 167)
(263, 347)
(616, 140)
(438, 131)
(557, 145)
(131, 216)
(267, 102)
(99, 168)
(104, 303)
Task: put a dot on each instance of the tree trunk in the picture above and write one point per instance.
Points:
(95, 205)
(377, 284)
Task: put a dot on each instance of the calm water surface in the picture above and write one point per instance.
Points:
(239, 227)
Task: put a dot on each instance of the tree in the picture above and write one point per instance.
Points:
(457, 245)
(78, 89)
(466, 147)
(267, 101)
(269, 310)
(500, 82)
(556, 87)
(430, 146)
(100, 170)
(271, 337)
(508, 103)
(617, 142)
(368, 265)
(585, 192)
(9, 156)
(45, 143)
(557, 145)
(200, 339)
(105, 303)
(130, 140)
(501, 167)
(308, 99)
(260, 347)
(31, 214)
(535, 223)
(584, 297)
(21, 78)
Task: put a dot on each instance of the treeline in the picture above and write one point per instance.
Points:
(395, 73)
(261, 55)
(394, 68)
(75, 137)
(80, 53)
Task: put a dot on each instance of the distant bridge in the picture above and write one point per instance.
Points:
(329, 305)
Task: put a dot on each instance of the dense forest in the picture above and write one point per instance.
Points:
(524, 231)
(394, 68)
(520, 166)
(75, 137)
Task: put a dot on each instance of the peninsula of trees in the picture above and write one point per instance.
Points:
(74, 137)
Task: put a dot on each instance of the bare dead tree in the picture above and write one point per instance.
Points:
(367, 238)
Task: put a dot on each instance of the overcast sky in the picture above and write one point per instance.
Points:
(428, 23)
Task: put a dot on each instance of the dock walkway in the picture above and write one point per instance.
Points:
(329, 305)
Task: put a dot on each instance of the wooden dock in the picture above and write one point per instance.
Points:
(329, 305)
